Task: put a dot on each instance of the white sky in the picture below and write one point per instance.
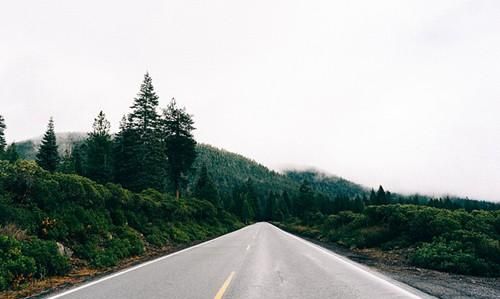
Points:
(400, 93)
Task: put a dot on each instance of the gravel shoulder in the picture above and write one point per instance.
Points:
(439, 284)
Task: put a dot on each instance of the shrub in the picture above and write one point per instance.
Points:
(452, 257)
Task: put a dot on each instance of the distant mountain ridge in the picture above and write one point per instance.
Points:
(228, 170)
(27, 149)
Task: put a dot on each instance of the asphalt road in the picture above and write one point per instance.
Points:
(258, 261)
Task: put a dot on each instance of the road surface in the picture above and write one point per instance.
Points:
(259, 261)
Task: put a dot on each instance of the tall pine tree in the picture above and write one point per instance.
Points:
(179, 144)
(98, 150)
(145, 138)
(125, 145)
(3, 142)
(48, 156)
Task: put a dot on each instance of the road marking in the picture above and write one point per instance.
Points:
(224, 287)
(248, 247)
(355, 266)
(141, 265)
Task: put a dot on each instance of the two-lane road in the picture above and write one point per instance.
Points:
(259, 261)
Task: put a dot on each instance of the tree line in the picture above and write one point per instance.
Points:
(152, 149)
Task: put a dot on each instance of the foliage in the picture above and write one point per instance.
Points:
(47, 156)
(20, 261)
(179, 144)
(205, 188)
(447, 240)
(98, 151)
(101, 224)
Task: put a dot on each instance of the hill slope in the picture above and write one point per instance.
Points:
(229, 170)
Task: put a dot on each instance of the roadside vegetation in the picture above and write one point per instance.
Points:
(452, 241)
(102, 198)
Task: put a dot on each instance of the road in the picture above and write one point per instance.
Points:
(259, 261)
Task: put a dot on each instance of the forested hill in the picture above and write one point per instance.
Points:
(325, 183)
(27, 149)
(228, 170)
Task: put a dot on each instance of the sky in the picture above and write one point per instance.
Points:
(404, 94)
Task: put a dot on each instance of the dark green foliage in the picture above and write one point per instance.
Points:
(329, 185)
(99, 151)
(101, 224)
(205, 188)
(48, 157)
(455, 241)
(3, 142)
(148, 159)
(138, 149)
(179, 144)
(247, 212)
(48, 261)
(11, 153)
(20, 261)
(66, 164)
(124, 156)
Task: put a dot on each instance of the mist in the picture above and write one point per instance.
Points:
(393, 93)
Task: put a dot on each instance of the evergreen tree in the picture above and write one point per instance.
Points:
(47, 156)
(11, 153)
(205, 188)
(3, 142)
(125, 147)
(76, 157)
(380, 197)
(144, 140)
(373, 197)
(98, 147)
(180, 144)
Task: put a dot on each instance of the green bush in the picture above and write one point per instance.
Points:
(101, 224)
(48, 261)
(20, 261)
(452, 257)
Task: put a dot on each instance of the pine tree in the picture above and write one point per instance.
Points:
(144, 117)
(180, 144)
(3, 142)
(125, 145)
(98, 150)
(76, 157)
(47, 156)
(144, 140)
(380, 198)
(205, 188)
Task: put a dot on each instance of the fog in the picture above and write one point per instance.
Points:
(404, 94)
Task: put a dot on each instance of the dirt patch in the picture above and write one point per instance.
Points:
(439, 284)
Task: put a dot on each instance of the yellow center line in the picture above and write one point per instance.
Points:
(224, 287)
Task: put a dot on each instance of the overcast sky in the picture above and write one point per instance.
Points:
(400, 93)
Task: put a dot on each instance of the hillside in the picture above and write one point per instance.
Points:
(229, 170)
(27, 149)
(325, 183)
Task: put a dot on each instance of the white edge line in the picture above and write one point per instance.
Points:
(356, 266)
(76, 289)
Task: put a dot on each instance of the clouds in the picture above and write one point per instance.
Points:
(398, 93)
